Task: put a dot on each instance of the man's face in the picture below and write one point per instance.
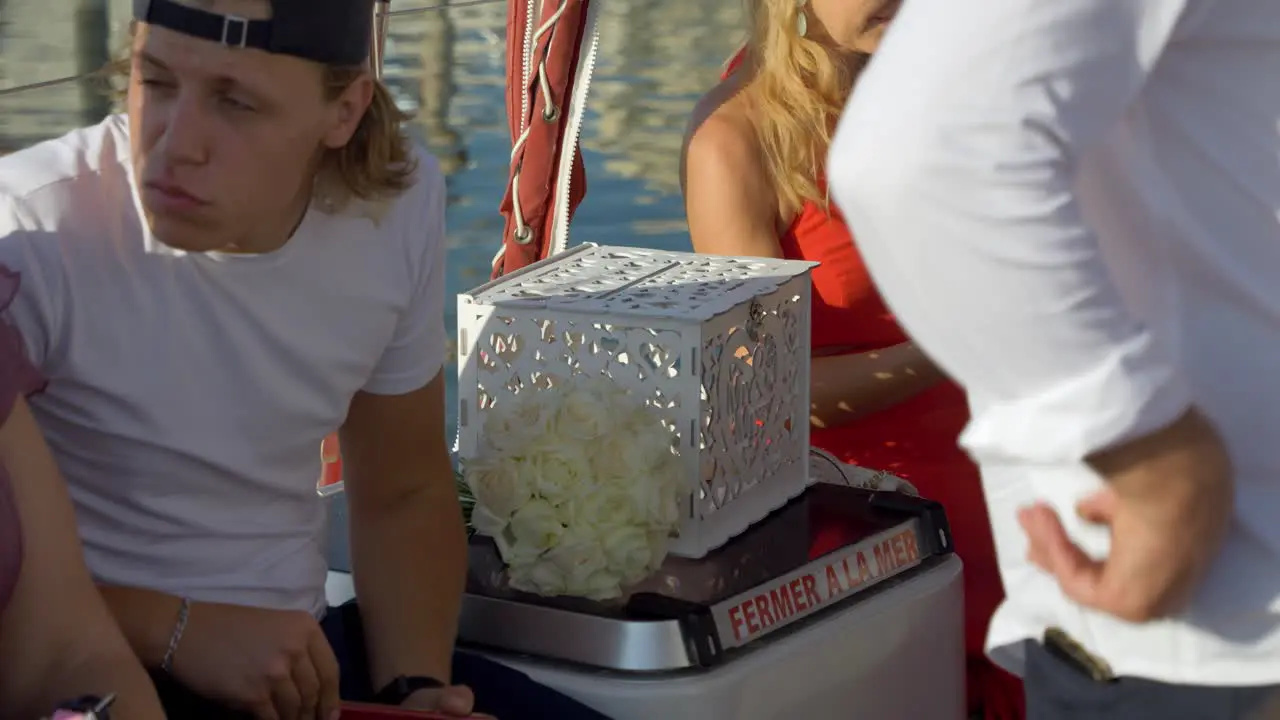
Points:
(225, 141)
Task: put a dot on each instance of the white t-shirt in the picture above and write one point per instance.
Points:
(189, 392)
(1073, 207)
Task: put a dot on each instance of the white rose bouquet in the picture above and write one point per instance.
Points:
(578, 486)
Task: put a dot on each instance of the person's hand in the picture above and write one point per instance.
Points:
(1168, 503)
(457, 700)
(274, 664)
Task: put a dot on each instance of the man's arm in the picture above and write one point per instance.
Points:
(954, 165)
(408, 541)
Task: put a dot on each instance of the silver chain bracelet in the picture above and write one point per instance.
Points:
(184, 611)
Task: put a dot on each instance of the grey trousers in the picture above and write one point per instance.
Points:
(1058, 691)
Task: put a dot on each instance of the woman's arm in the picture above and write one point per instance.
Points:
(57, 640)
(732, 210)
(845, 388)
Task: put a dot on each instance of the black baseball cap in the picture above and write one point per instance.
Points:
(333, 32)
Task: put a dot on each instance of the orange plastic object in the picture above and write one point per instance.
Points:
(331, 461)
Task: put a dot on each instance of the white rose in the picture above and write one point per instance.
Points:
(498, 484)
(537, 411)
(601, 507)
(662, 508)
(515, 553)
(540, 577)
(498, 529)
(486, 522)
(536, 525)
(512, 428)
(617, 457)
(581, 416)
(585, 567)
(560, 471)
(655, 495)
(669, 490)
(502, 435)
(629, 552)
(568, 511)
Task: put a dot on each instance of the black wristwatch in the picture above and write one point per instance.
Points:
(399, 690)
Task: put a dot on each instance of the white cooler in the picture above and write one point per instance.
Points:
(898, 655)
(893, 652)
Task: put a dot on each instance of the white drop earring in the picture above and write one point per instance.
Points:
(802, 20)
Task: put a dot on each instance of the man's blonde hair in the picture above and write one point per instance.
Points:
(378, 162)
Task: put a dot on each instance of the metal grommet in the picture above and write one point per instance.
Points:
(551, 113)
(523, 236)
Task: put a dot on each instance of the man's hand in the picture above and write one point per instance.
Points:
(274, 664)
(1168, 503)
(457, 700)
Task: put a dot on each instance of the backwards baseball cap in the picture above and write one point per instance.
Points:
(333, 32)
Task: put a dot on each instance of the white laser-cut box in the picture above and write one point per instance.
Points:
(719, 344)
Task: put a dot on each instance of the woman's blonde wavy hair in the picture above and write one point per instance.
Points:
(376, 164)
(796, 91)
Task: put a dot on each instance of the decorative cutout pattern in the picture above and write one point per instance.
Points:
(719, 345)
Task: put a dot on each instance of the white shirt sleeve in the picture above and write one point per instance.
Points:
(418, 348)
(954, 166)
(37, 309)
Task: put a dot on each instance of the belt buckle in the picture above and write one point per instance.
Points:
(1065, 648)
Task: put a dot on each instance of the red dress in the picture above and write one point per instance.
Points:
(915, 440)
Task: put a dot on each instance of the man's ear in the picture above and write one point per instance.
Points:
(348, 109)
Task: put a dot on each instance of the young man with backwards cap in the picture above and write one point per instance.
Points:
(250, 257)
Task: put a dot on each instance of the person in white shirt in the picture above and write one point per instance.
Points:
(248, 259)
(1074, 207)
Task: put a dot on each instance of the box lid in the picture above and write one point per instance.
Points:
(601, 279)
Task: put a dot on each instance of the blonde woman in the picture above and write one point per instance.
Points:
(754, 186)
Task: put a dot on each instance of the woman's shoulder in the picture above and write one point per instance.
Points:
(723, 110)
(727, 189)
(720, 132)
